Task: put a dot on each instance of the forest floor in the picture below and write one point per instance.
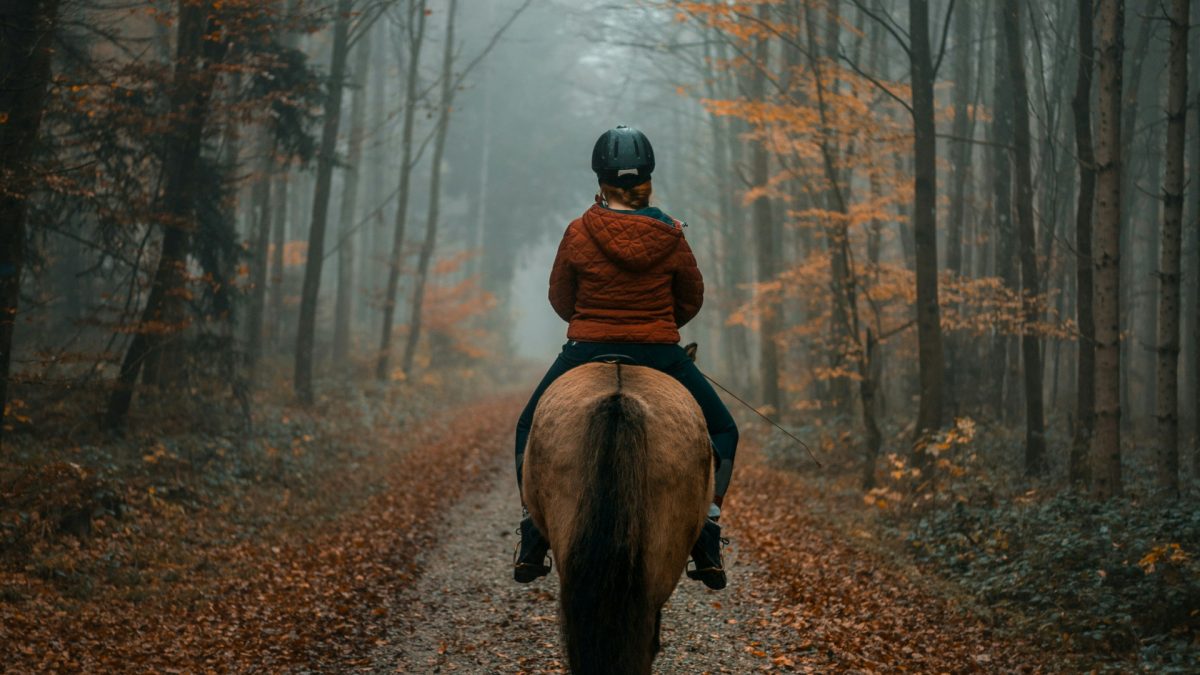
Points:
(804, 596)
(378, 537)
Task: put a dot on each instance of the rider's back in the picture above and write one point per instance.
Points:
(625, 277)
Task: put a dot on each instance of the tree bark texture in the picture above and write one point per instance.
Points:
(343, 313)
(26, 37)
(1035, 442)
(1167, 367)
(1085, 391)
(1106, 439)
(416, 36)
(960, 150)
(960, 162)
(326, 157)
(435, 194)
(1004, 359)
(929, 329)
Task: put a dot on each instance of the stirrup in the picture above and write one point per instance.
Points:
(713, 577)
(524, 573)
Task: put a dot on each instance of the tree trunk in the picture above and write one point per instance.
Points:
(435, 193)
(1195, 299)
(279, 212)
(835, 199)
(373, 258)
(26, 33)
(261, 200)
(1167, 371)
(477, 237)
(1190, 328)
(326, 158)
(1134, 61)
(416, 36)
(960, 162)
(343, 314)
(1085, 391)
(929, 329)
(1106, 440)
(845, 302)
(1035, 442)
(1003, 355)
(764, 236)
(738, 255)
(163, 315)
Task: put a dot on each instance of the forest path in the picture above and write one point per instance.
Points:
(466, 614)
(814, 586)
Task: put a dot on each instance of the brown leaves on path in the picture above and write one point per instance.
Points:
(854, 607)
(321, 580)
(299, 596)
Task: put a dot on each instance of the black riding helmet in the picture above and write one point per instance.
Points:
(623, 157)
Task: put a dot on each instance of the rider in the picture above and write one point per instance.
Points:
(626, 280)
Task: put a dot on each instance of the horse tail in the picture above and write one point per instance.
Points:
(607, 619)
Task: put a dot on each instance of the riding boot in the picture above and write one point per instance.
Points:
(530, 562)
(706, 555)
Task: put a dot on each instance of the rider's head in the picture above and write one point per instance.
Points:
(623, 161)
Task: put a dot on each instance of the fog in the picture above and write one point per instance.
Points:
(858, 217)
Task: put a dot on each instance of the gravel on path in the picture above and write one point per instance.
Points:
(466, 614)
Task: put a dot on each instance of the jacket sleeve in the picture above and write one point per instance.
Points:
(563, 280)
(688, 285)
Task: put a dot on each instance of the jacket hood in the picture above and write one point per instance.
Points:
(633, 242)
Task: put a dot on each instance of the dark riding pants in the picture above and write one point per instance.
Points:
(668, 358)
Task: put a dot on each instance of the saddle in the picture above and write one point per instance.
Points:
(690, 349)
(615, 358)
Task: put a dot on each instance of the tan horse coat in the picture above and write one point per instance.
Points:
(642, 432)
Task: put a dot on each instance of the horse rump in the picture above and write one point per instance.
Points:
(607, 621)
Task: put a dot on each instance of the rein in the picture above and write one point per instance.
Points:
(768, 419)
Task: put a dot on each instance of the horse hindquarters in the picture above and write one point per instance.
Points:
(608, 619)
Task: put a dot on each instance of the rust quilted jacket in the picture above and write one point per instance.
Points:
(623, 277)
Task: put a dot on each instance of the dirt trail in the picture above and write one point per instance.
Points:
(466, 614)
(806, 594)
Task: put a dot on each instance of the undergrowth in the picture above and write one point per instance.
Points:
(1111, 586)
(197, 539)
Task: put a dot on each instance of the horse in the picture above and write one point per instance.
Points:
(618, 476)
